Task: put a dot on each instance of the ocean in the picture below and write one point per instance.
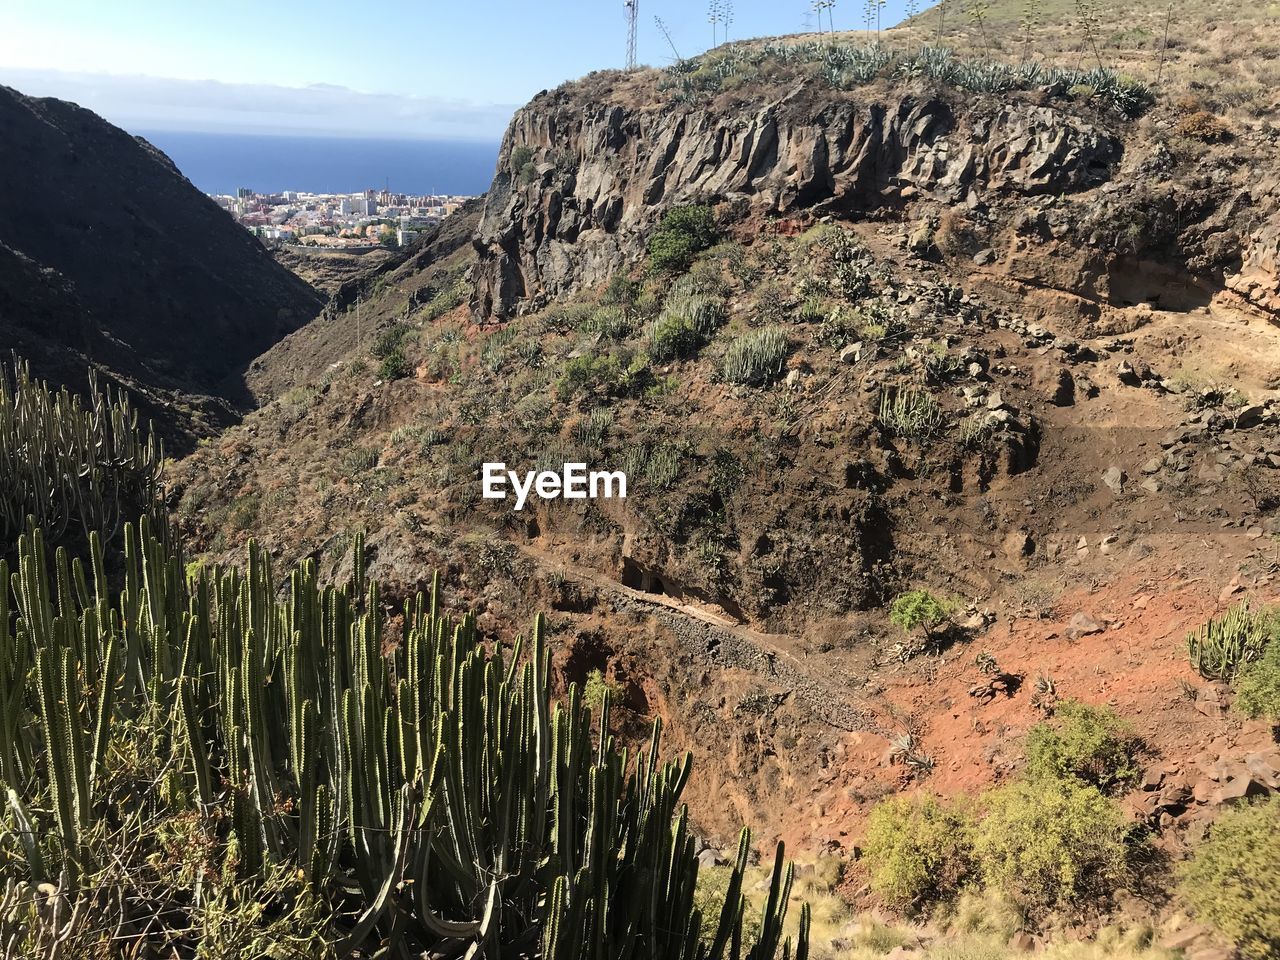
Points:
(223, 162)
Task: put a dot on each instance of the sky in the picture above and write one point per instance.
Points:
(413, 69)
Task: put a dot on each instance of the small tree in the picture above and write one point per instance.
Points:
(918, 610)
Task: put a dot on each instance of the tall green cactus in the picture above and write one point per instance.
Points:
(75, 466)
(437, 795)
(1220, 647)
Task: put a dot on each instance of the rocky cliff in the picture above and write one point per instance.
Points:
(109, 255)
(580, 182)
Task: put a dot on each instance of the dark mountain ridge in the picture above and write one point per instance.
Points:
(109, 255)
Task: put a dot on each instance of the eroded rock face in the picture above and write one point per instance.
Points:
(579, 185)
(1259, 278)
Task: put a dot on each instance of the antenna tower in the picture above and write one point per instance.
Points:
(633, 12)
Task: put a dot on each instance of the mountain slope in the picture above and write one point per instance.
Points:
(124, 263)
(854, 325)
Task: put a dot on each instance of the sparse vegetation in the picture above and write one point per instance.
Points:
(911, 412)
(845, 66)
(1202, 126)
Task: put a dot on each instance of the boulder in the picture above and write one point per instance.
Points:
(1209, 700)
(851, 354)
(1114, 479)
(1083, 625)
(1022, 942)
(1237, 788)
(1059, 387)
(1127, 375)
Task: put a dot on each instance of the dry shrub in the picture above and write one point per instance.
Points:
(1203, 126)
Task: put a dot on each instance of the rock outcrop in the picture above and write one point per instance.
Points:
(578, 184)
(1259, 278)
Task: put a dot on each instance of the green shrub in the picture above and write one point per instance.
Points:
(917, 609)
(595, 688)
(687, 321)
(1233, 883)
(612, 322)
(621, 291)
(1050, 843)
(755, 358)
(683, 233)
(388, 341)
(593, 428)
(522, 164)
(1086, 743)
(394, 366)
(1258, 685)
(448, 297)
(709, 896)
(918, 851)
(612, 376)
(672, 338)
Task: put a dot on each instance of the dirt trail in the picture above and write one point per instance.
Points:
(709, 637)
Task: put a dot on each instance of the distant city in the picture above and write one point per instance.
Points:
(338, 221)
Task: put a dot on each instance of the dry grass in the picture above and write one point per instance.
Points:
(978, 927)
(1223, 53)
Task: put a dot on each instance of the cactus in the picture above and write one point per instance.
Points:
(437, 796)
(1219, 648)
(75, 466)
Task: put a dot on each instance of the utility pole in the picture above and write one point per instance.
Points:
(633, 12)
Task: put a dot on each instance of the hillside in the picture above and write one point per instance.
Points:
(856, 322)
(1220, 52)
(110, 255)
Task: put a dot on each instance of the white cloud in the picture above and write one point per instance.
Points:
(136, 101)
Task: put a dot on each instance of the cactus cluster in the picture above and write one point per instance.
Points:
(75, 465)
(422, 780)
(1220, 647)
